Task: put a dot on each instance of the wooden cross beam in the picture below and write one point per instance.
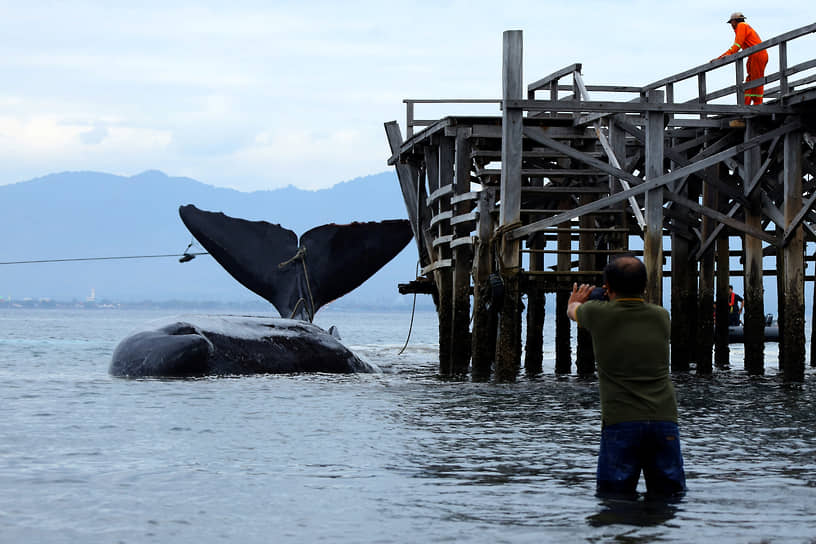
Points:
(538, 136)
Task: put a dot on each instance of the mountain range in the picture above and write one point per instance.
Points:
(74, 215)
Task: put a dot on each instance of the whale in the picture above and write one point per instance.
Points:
(298, 277)
(230, 345)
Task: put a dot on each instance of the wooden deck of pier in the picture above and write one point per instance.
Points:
(540, 195)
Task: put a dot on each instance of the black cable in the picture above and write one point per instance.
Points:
(101, 258)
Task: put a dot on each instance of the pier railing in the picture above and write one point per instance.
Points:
(702, 102)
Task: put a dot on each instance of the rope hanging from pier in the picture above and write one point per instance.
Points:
(499, 241)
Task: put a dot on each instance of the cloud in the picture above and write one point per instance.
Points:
(94, 136)
(258, 94)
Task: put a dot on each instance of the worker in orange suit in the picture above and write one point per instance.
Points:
(746, 37)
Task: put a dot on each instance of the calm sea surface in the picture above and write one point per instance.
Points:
(394, 457)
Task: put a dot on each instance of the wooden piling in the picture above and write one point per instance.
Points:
(653, 241)
(722, 356)
(485, 314)
(681, 302)
(584, 352)
(534, 342)
(793, 361)
(438, 165)
(563, 325)
(705, 294)
(462, 260)
(508, 348)
(754, 314)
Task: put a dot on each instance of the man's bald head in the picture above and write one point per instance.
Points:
(625, 275)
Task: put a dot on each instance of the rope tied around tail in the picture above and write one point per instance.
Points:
(301, 254)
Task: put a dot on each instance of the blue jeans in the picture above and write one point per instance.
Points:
(632, 446)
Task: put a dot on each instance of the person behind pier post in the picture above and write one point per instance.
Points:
(638, 404)
(745, 37)
(734, 307)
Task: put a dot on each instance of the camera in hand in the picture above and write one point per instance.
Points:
(599, 293)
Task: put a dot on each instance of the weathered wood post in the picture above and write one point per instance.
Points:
(485, 320)
(563, 325)
(705, 293)
(439, 167)
(794, 327)
(508, 349)
(617, 141)
(813, 326)
(780, 290)
(682, 305)
(462, 259)
(534, 343)
(754, 316)
(584, 352)
(653, 241)
(721, 350)
(413, 193)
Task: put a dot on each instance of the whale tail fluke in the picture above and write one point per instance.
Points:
(330, 261)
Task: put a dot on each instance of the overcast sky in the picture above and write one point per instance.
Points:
(260, 95)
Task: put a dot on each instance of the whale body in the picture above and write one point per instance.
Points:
(297, 276)
(195, 346)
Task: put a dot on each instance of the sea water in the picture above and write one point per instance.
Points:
(400, 456)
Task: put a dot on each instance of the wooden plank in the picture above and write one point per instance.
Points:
(579, 106)
(545, 172)
(555, 76)
(462, 241)
(437, 265)
(438, 218)
(528, 154)
(465, 218)
(551, 189)
(445, 190)
(442, 240)
(465, 197)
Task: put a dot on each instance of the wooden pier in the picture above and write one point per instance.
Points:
(679, 171)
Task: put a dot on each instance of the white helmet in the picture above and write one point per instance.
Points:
(736, 15)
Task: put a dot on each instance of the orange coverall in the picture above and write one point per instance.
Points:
(746, 37)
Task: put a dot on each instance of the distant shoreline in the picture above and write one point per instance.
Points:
(256, 306)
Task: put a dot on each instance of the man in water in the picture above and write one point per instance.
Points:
(734, 307)
(745, 37)
(638, 404)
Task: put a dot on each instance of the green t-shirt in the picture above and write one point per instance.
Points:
(631, 343)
